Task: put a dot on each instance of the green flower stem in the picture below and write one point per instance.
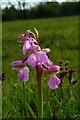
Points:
(24, 93)
(24, 96)
(25, 103)
(40, 96)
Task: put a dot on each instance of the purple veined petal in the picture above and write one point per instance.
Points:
(24, 74)
(30, 40)
(53, 69)
(24, 49)
(21, 38)
(17, 64)
(54, 82)
(32, 60)
(56, 79)
(43, 58)
(26, 46)
(49, 61)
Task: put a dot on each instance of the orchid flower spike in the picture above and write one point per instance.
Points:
(37, 57)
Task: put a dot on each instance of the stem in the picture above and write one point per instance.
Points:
(24, 96)
(40, 96)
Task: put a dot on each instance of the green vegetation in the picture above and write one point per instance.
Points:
(61, 36)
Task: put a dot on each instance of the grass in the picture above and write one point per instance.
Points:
(61, 36)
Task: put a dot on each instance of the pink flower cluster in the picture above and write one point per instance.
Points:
(36, 57)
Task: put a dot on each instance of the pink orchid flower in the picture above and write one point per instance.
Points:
(37, 57)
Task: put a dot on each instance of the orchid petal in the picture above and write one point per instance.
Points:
(32, 60)
(17, 65)
(54, 82)
(24, 74)
(43, 58)
(53, 69)
(26, 46)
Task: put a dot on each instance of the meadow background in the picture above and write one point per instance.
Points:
(57, 24)
(61, 36)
